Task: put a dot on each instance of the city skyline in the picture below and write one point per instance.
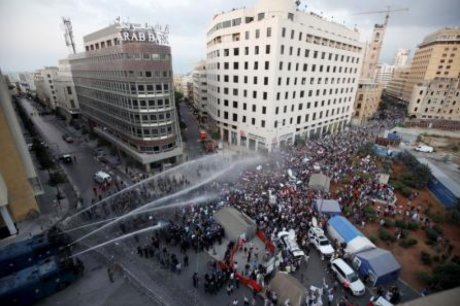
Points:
(40, 23)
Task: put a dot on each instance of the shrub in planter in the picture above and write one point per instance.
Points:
(401, 224)
(404, 234)
(407, 243)
(385, 235)
(438, 229)
(426, 258)
(406, 191)
(438, 219)
(389, 223)
(431, 234)
(369, 211)
(413, 226)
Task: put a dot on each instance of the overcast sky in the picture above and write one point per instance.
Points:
(31, 34)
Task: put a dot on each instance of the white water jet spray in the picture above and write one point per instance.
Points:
(189, 163)
(184, 191)
(151, 228)
(195, 201)
(204, 182)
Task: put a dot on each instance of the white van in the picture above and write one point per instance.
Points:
(424, 149)
(102, 177)
(347, 277)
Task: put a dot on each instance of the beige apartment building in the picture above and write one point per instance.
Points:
(19, 183)
(395, 87)
(367, 101)
(438, 56)
(436, 99)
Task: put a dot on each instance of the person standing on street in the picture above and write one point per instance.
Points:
(195, 280)
(110, 274)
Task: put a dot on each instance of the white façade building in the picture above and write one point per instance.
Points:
(200, 87)
(275, 73)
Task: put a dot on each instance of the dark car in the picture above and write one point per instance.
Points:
(66, 159)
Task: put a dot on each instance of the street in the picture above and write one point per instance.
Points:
(191, 133)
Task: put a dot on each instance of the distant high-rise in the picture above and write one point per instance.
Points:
(45, 87)
(401, 58)
(67, 101)
(200, 88)
(372, 52)
(396, 86)
(124, 85)
(384, 74)
(438, 56)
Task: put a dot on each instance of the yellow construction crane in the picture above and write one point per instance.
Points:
(386, 12)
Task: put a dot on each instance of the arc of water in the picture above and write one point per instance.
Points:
(198, 200)
(204, 182)
(151, 228)
(137, 184)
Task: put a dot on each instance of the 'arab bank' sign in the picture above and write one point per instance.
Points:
(156, 34)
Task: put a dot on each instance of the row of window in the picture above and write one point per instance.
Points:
(124, 57)
(111, 116)
(108, 74)
(234, 117)
(311, 93)
(125, 87)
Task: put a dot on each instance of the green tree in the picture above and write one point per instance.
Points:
(421, 175)
(444, 277)
(366, 149)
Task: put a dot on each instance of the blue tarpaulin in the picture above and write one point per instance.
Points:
(379, 264)
(344, 228)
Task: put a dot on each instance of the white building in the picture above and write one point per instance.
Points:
(200, 87)
(45, 87)
(275, 73)
(67, 101)
(187, 87)
(384, 74)
(26, 81)
(401, 58)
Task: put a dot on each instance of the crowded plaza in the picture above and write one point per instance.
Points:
(272, 190)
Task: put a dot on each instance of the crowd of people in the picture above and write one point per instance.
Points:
(284, 175)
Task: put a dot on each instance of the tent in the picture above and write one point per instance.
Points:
(288, 287)
(319, 181)
(342, 230)
(329, 207)
(359, 244)
(236, 224)
(379, 264)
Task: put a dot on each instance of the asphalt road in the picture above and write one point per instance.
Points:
(80, 173)
(192, 133)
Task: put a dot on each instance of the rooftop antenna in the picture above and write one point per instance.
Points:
(68, 33)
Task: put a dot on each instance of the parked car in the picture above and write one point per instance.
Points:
(100, 152)
(320, 241)
(379, 301)
(102, 177)
(67, 138)
(288, 240)
(66, 159)
(424, 149)
(347, 277)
